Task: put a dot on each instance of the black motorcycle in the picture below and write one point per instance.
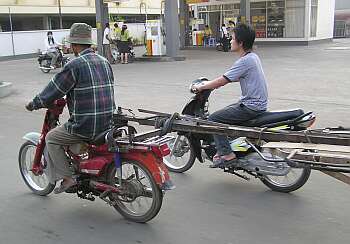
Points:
(276, 173)
(45, 64)
(117, 56)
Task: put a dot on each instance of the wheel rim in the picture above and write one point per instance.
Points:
(141, 205)
(180, 153)
(45, 63)
(38, 183)
(287, 180)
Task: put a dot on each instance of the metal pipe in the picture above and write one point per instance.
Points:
(13, 43)
(262, 156)
(60, 14)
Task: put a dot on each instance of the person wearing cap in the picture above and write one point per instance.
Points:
(87, 82)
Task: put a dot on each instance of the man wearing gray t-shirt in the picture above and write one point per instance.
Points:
(247, 70)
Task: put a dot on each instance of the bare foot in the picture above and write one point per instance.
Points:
(228, 157)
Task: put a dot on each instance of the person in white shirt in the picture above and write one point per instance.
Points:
(224, 37)
(107, 43)
(51, 48)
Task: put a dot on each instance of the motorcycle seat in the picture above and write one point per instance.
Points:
(273, 117)
(100, 139)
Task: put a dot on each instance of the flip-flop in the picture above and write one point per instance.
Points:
(220, 163)
(63, 187)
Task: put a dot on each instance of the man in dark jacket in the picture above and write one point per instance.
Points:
(88, 84)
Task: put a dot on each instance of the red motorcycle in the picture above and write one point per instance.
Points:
(129, 176)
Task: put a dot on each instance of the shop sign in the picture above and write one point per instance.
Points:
(197, 1)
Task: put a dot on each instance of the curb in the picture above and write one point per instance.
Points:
(160, 59)
(5, 89)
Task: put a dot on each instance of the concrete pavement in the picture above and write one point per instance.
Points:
(208, 206)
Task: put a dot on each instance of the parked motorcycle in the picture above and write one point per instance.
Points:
(274, 172)
(116, 54)
(45, 64)
(129, 176)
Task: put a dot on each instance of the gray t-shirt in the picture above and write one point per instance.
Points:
(248, 71)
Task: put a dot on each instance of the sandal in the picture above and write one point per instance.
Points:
(63, 187)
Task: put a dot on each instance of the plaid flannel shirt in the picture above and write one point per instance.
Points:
(87, 82)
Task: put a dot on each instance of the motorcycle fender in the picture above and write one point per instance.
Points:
(155, 166)
(190, 107)
(32, 137)
(196, 143)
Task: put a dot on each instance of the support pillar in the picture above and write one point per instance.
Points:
(184, 24)
(46, 23)
(172, 37)
(245, 11)
(101, 20)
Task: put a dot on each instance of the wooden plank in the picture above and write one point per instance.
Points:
(308, 146)
(195, 126)
(339, 176)
(334, 156)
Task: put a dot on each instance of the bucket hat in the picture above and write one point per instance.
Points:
(80, 33)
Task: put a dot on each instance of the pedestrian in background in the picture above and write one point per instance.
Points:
(125, 40)
(231, 28)
(107, 43)
(224, 38)
(207, 35)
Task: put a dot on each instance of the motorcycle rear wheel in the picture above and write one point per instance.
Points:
(280, 184)
(40, 184)
(138, 176)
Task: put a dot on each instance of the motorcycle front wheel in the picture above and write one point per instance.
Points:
(39, 184)
(142, 199)
(45, 66)
(182, 156)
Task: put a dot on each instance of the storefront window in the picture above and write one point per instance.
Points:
(295, 18)
(313, 22)
(228, 6)
(214, 7)
(270, 18)
(275, 19)
(258, 18)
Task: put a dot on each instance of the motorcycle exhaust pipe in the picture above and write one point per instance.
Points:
(103, 187)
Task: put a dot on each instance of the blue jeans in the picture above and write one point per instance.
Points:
(235, 114)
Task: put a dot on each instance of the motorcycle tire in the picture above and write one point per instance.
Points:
(187, 165)
(157, 194)
(303, 178)
(29, 177)
(131, 58)
(45, 63)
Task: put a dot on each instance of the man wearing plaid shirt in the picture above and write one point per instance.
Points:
(87, 82)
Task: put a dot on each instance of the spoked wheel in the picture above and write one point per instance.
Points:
(45, 66)
(142, 199)
(181, 157)
(131, 58)
(39, 184)
(295, 179)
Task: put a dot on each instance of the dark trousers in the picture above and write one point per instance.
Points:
(225, 44)
(234, 114)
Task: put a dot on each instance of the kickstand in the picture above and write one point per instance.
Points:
(231, 171)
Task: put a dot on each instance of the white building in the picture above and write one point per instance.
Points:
(300, 21)
(43, 14)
